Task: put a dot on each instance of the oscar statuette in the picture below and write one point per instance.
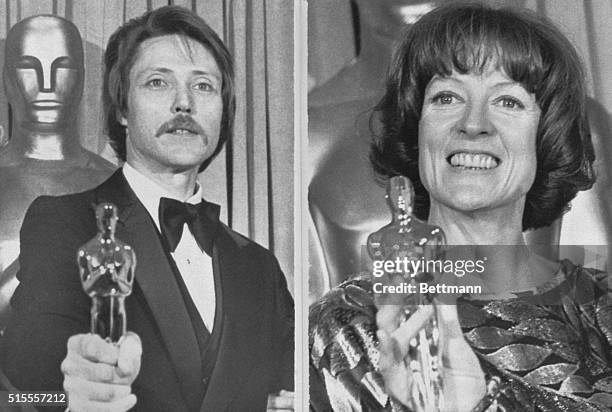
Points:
(106, 267)
(406, 239)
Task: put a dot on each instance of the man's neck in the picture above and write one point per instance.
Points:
(179, 184)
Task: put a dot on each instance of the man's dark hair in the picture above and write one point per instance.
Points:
(122, 51)
(531, 51)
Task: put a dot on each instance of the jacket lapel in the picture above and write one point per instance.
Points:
(240, 338)
(154, 277)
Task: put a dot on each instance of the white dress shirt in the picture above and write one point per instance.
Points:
(194, 265)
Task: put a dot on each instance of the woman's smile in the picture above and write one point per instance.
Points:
(473, 161)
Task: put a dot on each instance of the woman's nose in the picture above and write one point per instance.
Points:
(476, 121)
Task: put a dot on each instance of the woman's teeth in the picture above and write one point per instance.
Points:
(474, 161)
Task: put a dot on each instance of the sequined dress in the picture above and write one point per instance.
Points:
(551, 349)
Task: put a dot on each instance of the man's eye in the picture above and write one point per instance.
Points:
(204, 86)
(156, 83)
(509, 102)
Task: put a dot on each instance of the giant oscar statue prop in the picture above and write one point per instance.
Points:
(345, 202)
(43, 78)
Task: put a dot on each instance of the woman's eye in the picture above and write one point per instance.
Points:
(445, 98)
(509, 102)
(156, 83)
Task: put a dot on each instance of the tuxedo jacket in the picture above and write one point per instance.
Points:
(255, 353)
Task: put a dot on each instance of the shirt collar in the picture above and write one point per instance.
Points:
(149, 192)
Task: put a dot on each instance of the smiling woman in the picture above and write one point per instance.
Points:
(485, 111)
(524, 61)
(477, 143)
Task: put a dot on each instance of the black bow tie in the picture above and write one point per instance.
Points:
(202, 220)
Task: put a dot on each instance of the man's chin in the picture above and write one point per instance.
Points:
(185, 165)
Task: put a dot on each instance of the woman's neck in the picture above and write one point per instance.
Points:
(496, 227)
(496, 238)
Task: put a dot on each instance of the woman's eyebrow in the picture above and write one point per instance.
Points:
(155, 69)
(506, 84)
(443, 79)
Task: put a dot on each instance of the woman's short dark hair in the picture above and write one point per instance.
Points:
(532, 52)
(122, 50)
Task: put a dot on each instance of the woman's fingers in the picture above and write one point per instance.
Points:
(448, 321)
(389, 318)
(411, 327)
(394, 371)
(462, 371)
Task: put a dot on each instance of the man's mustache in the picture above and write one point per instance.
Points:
(180, 122)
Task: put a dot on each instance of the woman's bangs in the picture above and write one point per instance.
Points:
(484, 44)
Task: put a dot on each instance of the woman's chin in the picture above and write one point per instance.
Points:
(467, 198)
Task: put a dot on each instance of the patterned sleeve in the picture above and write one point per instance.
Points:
(344, 352)
(551, 352)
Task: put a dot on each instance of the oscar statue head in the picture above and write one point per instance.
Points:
(43, 73)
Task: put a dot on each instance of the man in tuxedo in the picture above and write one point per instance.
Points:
(210, 316)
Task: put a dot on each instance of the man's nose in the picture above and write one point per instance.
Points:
(183, 101)
(476, 121)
